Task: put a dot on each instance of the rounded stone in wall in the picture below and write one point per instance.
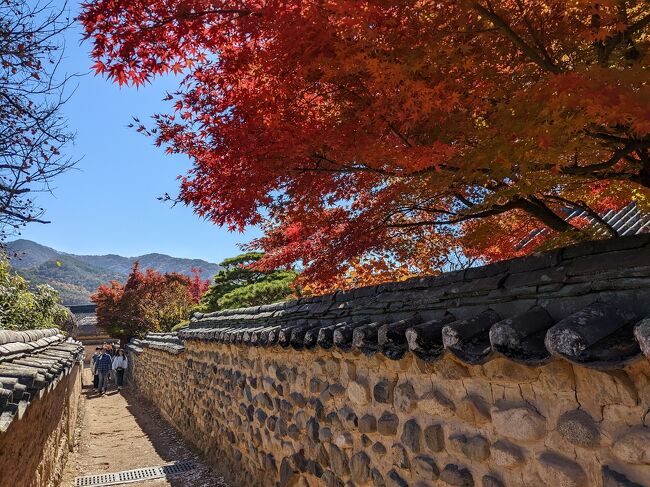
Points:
(558, 470)
(359, 393)
(507, 455)
(394, 479)
(360, 467)
(344, 441)
(411, 435)
(491, 481)
(377, 478)
(338, 461)
(456, 476)
(324, 434)
(435, 403)
(633, 446)
(425, 468)
(379, 449)
(434, 437)
(579, 428)
(405, 397)
(387, 424)
(383, 392)
(400, 456)
(473, 409)
(612, 478)
(477, 449)
(329, 479)
(368, 424)
(519, 423)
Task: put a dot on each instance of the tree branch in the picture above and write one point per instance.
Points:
(541, 61)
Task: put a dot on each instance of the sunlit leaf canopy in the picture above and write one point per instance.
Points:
(376, 131)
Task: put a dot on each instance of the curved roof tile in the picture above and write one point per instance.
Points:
(31, 363)
(588, 304)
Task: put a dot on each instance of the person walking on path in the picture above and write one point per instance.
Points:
(93, 367)
(120, 364)
(103, 367)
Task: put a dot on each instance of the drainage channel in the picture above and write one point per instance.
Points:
(129, 476)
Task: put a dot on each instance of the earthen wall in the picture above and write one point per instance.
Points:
(272, 416)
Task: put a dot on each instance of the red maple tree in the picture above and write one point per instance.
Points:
(147, 301)
(352, 130)
(198, 286)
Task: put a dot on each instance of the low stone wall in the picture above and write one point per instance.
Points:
(323, 418)
(34, 448)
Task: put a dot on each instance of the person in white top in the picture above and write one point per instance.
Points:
(120, 364)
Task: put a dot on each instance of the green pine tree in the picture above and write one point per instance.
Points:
(238, 286)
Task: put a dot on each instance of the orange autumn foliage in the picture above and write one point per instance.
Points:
(352, 130)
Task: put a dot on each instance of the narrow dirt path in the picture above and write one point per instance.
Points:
(119, 431)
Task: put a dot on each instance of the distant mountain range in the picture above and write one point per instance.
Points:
(76, 277)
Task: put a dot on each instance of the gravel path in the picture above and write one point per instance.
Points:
(119, 431)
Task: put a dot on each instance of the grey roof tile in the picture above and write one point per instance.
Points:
(31, 363)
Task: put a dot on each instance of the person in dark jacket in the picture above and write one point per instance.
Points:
(93, 367)
(103, 367)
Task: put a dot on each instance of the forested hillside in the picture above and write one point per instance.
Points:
(78, 276)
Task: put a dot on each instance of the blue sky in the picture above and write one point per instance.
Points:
(108, 203)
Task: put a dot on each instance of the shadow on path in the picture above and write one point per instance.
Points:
(120, 431)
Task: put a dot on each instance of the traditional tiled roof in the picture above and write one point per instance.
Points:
(629, 220)
(86, 319)
(588, 304)
(31, 363)
(168, 342)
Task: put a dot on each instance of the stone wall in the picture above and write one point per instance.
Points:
(529, 372)
(34, 448)
(269, 416)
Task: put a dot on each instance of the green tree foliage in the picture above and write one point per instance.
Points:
(239, 285)
(24, 309)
